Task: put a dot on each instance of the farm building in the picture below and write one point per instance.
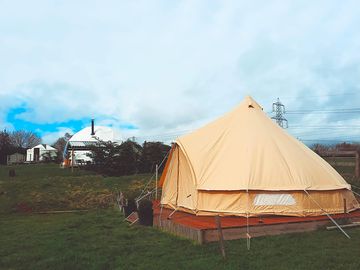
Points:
(79, 144)
(15, 158)
(244, 164)
(40, 152)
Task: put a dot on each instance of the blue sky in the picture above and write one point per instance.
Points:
(18, 123)
(157, 69)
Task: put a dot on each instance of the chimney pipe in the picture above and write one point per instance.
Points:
(92, 127)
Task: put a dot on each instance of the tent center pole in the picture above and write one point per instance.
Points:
(248, 236)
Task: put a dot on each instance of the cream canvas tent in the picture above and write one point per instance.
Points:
(244, 164)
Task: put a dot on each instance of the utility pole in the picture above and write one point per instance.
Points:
(279, 109)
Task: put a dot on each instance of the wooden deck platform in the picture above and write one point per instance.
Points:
(202, 229)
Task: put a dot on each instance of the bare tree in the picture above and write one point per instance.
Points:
(24, 139)
(320, 148)
(60, 145)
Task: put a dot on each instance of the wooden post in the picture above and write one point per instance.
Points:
(156, 181)
(221, 237)
(72, 160)
(357, 165)
(345, 208)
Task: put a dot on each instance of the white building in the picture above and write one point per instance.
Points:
(40, 153)
(79, 144)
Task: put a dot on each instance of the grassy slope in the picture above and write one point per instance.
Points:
(99, 239)
(48, 187)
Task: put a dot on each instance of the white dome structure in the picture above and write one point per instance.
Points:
(79, 144)
(101, 133)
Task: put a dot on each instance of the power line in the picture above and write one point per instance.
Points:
(307, 111)
(330, 140)
(331, 126)
(323, 127)
(324, 95)
(337, 111)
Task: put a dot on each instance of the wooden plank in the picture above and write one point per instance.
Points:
(200, 237)
(355, 219)
(132, 218)
(264, 230)
(338, 153)
(180, 230)
(345, 207)
(355, 224)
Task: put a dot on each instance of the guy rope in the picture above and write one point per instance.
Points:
(326, 213)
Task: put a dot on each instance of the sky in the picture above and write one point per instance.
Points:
(159, 69)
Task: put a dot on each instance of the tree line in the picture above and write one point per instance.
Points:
(127, 158)
(108, 158)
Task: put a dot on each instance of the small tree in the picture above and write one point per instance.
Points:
(319, 148)
(103, 155)
(129, 156)
(115, 159)
(153, 153)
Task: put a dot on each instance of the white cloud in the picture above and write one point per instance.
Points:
(171, 66)
(51, 137)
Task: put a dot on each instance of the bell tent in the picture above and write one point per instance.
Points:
(246, 165)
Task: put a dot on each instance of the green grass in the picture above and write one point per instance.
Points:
(100, 239)
(48, 187)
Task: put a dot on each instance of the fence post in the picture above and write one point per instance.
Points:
(357, 165)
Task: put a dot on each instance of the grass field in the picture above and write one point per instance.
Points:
(100, 239)
(46, 187)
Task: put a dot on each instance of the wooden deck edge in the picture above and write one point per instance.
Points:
(202, 236)
(168, 225)
(210, 235)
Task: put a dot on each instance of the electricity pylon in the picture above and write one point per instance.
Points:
(279, 109)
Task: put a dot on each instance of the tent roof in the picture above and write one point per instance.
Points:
(246, 150)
